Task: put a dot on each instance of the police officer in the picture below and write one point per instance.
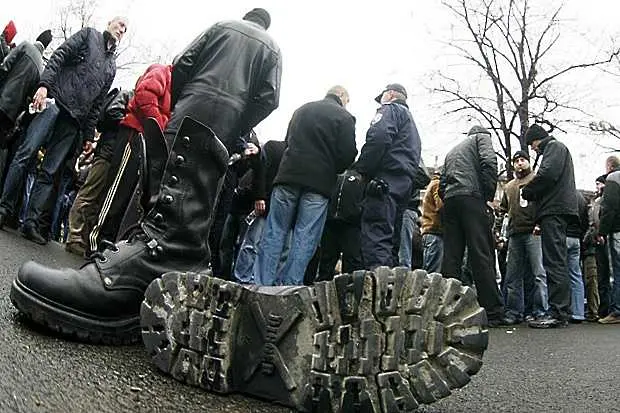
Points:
(388, 162)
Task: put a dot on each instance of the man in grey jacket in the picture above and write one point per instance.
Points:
(468, 182)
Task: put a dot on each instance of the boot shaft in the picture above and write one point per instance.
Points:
(181, 218)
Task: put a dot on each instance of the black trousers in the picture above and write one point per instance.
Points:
(604, 273)
(553, 239)
(339, 237)
(467, 224)
(379, 217)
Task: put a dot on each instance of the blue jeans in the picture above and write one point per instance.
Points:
(291, 209)
(30, 177)
(65, 136)
(406, 237)
(433, 252)
(577, 291)
(62, 206)
(524, 260)
(38, 133)
(614, 249)
(244, 268)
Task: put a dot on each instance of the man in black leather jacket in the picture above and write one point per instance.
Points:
(468, 182)
(213, 86)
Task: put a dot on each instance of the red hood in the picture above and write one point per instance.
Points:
(10, 31)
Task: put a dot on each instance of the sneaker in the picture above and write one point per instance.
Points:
(547, 322)
(610, 319)
(382, 341)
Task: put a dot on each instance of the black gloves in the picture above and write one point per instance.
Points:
(377, 187)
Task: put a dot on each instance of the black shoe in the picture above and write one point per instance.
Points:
(373, 342)
(504, 322)
(2, 220)
(31, 233)
(575, 321)
(547, 322)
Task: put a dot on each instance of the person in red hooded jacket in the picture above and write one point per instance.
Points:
(6, 39)
(151, 99)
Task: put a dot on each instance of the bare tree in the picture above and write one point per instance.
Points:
(74, 15)
(510, 47)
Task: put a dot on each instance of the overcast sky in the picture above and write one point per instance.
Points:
(363, 46)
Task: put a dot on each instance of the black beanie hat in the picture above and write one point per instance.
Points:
(535, 132)
(45, 38)
(601, 179)
(260, 16)
(520, 154)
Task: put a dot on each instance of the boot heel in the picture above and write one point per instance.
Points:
(188, 327)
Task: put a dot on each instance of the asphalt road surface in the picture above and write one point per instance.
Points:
(576, 369)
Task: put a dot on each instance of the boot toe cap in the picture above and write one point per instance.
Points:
(72, 291)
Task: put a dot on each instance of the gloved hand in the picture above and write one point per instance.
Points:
(377, 187)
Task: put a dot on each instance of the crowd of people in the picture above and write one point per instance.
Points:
(170, 176)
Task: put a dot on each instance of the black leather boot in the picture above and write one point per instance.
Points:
(383, 341)
(101, 301)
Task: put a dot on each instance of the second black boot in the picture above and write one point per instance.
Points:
(101, 301)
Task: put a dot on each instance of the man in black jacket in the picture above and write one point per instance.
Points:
(610, 226)
(388, 163)
(468, 182)
(553, 190)
(321, 144)
(78, 77)
(216, 89)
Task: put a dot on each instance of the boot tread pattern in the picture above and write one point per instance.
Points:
(377, 342)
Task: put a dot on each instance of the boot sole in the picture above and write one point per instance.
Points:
(71, 325)
(371, 342)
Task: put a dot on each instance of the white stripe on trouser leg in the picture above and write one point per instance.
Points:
(94, 234)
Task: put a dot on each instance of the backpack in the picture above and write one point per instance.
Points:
(345, 203)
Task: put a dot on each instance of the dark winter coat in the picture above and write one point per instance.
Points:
(266, 169)
(578, 224)
(553, 188)
(19, 76)
(228, 79)
(470, 168)
(110, 119)
(392, 144)
(610, 205)
(79, 75)
(321, 144)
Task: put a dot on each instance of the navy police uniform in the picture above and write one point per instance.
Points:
(388, 162)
